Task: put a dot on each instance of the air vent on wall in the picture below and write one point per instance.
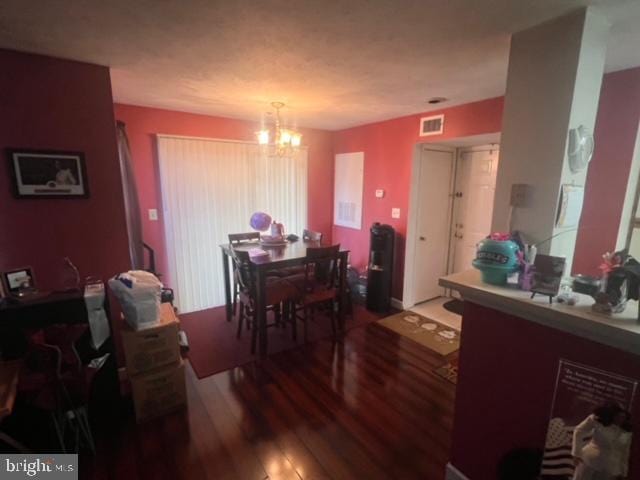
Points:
(433, 125)
(346, 211)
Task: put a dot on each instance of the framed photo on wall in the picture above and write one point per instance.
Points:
(48, 174)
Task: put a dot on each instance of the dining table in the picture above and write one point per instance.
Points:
(288, 254)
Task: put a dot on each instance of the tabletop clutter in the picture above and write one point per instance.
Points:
(504, 258)
(150, 340)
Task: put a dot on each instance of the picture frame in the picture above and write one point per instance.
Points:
(48, 174)
(13, 280)
(547, 274)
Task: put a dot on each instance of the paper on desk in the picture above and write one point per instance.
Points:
(257, 252)
(98, 322)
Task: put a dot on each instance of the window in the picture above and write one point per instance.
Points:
(210, 188)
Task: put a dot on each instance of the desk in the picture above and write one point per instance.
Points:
(290, 255)
(43, 310)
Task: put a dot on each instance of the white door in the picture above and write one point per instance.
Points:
(435, 179)
(475, 189)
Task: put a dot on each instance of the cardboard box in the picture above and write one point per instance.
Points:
(153, 347)
(159, 391)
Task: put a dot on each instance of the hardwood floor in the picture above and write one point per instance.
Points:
(365, 407)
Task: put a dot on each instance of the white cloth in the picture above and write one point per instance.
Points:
(606, 455)
(98, 322)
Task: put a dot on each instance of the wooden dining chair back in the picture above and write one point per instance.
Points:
(279, 294)
(242, 269)
(235, 238)
(311, 236)
(321, 267)
(319, 286)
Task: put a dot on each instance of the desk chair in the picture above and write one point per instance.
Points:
(9, 373)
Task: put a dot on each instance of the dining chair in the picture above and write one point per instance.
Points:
(307, 236)
(318, 287)
(280, 296)
(235, 239)
(311, 236)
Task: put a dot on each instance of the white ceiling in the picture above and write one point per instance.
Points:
(336, 63)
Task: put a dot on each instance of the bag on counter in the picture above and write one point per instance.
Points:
(138, 293)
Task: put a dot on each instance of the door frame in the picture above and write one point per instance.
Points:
(408, 292)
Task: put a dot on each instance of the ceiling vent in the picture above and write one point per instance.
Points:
(433, 125)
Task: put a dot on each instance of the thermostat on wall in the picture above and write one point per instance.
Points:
(379, 193)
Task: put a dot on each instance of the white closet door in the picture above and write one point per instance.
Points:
(433, 222)
(476, 180)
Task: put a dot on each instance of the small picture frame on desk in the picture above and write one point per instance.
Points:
(547, 275)
(19, 281)
(48, 174)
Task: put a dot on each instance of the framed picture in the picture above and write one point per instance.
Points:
(547, 274)
(19, 279)
(48, 174)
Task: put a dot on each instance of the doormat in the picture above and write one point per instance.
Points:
(449, 371)
(454, 306)
(423, 330)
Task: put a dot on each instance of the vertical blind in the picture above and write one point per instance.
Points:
(210, 188)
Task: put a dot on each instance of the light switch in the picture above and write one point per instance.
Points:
(379, 193)
(153, 214)
(395, 213)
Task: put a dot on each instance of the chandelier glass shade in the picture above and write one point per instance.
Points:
(285, 141)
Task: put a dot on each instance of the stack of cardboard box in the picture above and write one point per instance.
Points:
(155, 367)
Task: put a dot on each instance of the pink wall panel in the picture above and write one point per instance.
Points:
(54, 104)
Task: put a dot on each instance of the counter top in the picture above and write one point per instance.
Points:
(620, 330)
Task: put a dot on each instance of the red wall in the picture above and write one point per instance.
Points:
(388, 156)
(49, 103)
(506, 380)
(144, 123)
(615, 136)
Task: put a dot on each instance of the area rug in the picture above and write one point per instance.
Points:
(423, 330)
(449, 371)
(214, 346)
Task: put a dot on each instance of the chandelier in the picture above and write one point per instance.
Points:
(284, 141)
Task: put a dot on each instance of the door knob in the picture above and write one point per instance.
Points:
(422, 239)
